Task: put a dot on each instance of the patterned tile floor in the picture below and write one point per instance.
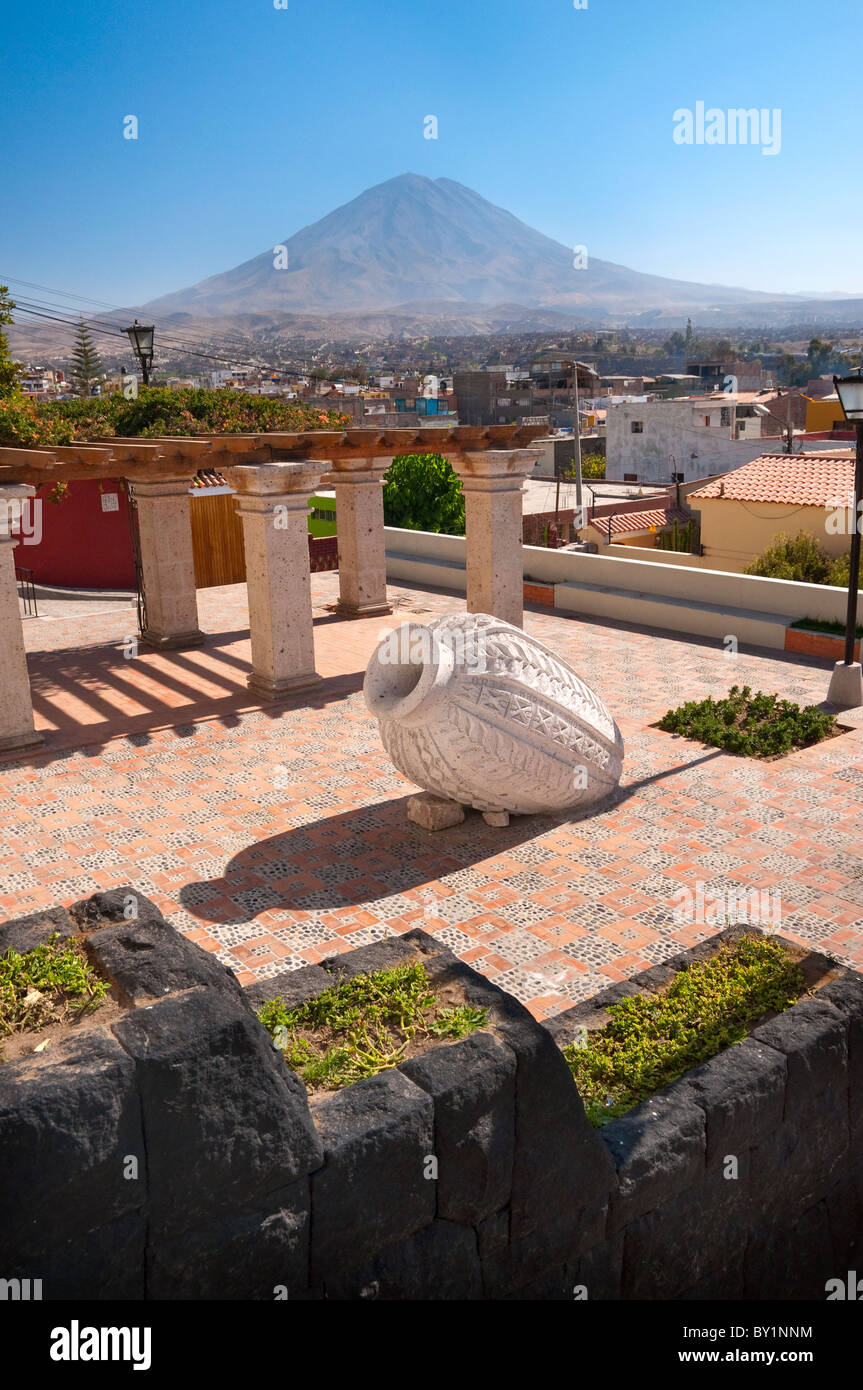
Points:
(277, 836)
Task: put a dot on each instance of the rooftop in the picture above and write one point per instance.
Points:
(276, 835)
(636, 522)
(804, 480)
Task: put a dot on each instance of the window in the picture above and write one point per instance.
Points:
(630, 477)
(725, 415)
(636, 427)
(677, 478)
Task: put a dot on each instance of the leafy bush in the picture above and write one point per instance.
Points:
(46, 985)
(363, 1026)
(800, 558)
(651, 1040)
(157, 411)
(756, 726)
(422, 492)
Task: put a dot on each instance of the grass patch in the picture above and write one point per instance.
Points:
(817, 625)
(51, 984)
(364, 1026)
(756, 726)
(652, 1040)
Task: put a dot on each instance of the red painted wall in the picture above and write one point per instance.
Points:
(82, 546)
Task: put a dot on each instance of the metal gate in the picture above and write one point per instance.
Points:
(140, 596)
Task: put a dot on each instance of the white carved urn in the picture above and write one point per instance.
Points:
(477, 711)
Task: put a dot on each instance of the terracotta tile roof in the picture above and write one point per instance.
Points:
(804, 480)
(635, 522)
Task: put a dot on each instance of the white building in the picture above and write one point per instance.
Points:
(693, 437)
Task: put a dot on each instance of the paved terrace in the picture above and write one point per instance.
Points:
(276, 835)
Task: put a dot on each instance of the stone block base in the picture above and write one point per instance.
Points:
(846, 686)
(363, 610)
(284, 689)
(174, 641)
(434, 812)
(30, 739)
(496, 817)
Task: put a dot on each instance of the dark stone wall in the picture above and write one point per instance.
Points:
(243, 1190)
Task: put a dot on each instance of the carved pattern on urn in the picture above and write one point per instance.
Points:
(474, 709)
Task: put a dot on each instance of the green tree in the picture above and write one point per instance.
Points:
(800, 558)
(423, 493)
(86, 367)
(10, 381)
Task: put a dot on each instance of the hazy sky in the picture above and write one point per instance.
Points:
(255, 121)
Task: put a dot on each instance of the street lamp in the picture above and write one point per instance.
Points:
(141, 337)
(846, 684)
(576, 434)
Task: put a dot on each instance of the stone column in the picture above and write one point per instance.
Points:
(167, 565)
(16, 705)
(360, 523)
(273, 504)
(492, 483)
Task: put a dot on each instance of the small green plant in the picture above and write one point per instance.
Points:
(822, 625)
(651, 1040)
(364, 1025)
(755, 726)
(49, 984)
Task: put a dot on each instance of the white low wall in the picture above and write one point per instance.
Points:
(672, 597)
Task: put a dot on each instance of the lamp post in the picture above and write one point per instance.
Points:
(846, 684)
(576, 434)
(141, 337)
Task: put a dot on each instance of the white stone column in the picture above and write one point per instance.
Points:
(493, 483)
(360, 521)
(167, 563)
(273, 503)
(16, 704)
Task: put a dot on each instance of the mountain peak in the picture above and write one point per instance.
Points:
(413, 238)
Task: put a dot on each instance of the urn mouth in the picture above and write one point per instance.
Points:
(405, 672)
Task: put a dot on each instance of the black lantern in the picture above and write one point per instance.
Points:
(141, 337)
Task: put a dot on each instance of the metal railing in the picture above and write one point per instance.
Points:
(26, 592)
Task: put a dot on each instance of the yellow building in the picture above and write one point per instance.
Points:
(824, 415)
(742, 512)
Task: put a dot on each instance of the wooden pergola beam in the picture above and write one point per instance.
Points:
(167, 457)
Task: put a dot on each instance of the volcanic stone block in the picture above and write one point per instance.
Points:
(742, 1091)
(145, 960)
(410, 947)
(844, 1203)
(676, 1247)
(123, 904)
(26, 933)
(107, 1262)
(796, 1165)
(250, 1255)
(472, 1084)
(792, 1263)
(226, 1121)
(295, 987)
(376, 1135)
(659, 1148)
(69, 1120)
(813, 1036)
(846, 995)
(439, 1262)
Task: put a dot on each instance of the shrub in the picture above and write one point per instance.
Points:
(652, 1040)
(157, 411)
(756, 726)
(47, 985)
(800, 558)
(422, 492)
(364, 1026)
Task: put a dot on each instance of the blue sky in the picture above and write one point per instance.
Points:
(254, 122)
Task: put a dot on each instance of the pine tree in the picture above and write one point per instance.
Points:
(86, 366)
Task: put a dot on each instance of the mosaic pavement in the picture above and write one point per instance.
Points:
(278, 836)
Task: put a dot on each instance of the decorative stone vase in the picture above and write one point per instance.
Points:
(477, 711)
